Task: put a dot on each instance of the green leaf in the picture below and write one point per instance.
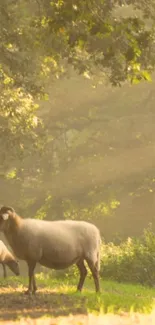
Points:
(146, 75)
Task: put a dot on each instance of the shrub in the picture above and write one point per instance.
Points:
(132, 261)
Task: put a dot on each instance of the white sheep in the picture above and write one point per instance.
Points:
(53, 244)
(7, 258)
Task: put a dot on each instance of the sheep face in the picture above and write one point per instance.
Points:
(13, 266)
(5, 214)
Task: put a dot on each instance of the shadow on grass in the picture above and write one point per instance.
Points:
(61, 301)
(16, 304)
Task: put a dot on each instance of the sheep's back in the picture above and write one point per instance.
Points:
(66, 229)
(59, 237)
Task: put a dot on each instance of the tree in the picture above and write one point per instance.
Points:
(91, 35)
(40, 39)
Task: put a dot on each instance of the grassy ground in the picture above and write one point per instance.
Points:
(57, 302)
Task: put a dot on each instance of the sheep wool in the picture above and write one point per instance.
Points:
(7, 258)
(53, 244)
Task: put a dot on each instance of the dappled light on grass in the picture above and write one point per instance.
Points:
(57, 298)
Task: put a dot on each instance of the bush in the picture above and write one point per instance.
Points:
(132, 261)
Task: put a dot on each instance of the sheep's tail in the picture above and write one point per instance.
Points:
(98, 261)
(98, 253)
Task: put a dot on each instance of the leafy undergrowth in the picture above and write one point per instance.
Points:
(133, 261)
(58, 298)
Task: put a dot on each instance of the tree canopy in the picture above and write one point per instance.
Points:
(112, 42)
(91, 35)
(42, 38)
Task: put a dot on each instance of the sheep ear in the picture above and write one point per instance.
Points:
(5, 216)
(11, 209)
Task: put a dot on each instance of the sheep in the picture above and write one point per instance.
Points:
(53, 244)
(6, 258)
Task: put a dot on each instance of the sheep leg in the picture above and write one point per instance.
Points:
(31, 267)
(83, 273)
(95, 273)
(34, 284)
(4, 270)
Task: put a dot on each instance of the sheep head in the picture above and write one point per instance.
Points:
(6, 214)
(13, 266)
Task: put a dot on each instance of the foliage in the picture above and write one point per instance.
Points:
(18, 124)
(132, 261)
(92, 36)
(40, 149)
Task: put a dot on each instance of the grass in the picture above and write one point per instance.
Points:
(59, 297)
